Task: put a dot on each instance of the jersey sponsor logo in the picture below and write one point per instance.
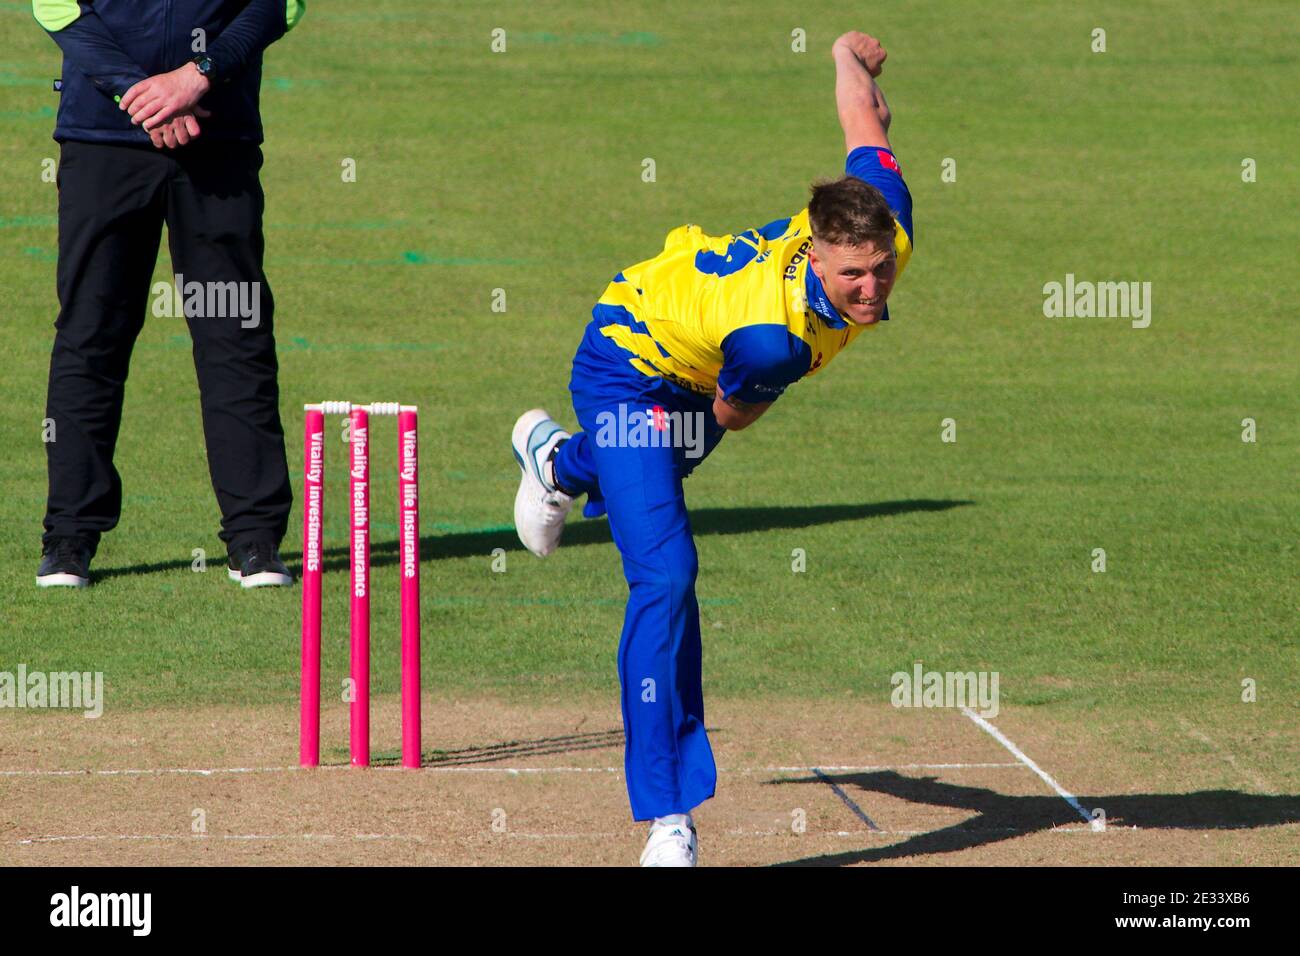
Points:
(792, 270)
(887, 160)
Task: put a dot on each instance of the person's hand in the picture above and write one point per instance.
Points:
(161, 97)
(178, 130)
(866, 48)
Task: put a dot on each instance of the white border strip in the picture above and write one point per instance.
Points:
(192, 837)
(419, 838)
(212, 771)
(1016, 752)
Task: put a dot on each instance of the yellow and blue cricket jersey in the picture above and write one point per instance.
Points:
(742, 311)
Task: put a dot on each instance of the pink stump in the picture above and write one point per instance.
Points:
(313, 456)
(408, 525)
(359, 555)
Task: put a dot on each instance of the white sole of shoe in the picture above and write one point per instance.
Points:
(263, 579)
(689, 858)
(530, 482)
(62, 580)
(522, 497)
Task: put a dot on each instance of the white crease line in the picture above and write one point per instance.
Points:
(213, 771)
(860, 833)
(142, 772)
(509, 770)
(198, 837)
(1001, 738)
(565, 836)
(892, 766)
(416, 838)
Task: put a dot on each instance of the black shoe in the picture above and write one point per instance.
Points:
(65, 562)
(258, 565)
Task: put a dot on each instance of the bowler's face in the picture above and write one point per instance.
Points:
(857, 279)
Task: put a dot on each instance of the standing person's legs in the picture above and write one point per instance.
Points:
(214, 219)
(668, 760)
(110, 221)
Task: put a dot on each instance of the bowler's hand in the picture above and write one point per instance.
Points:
(159, 98)
(866, 48)
(178, 130)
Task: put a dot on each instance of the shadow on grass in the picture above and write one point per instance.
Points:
(704, 521)
(513, 750)
(1001, 817)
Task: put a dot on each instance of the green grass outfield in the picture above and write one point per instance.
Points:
(522, 171)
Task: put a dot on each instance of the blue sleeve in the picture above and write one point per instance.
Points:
(256, 27)
(760, 361)
(89, 47)
(880, 168)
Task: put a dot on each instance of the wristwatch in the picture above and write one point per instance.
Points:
(204, 63)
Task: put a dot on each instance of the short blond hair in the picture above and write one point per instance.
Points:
(850, 212)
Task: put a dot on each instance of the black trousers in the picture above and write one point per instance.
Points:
(113, 201)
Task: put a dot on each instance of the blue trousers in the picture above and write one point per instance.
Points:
(636, 479)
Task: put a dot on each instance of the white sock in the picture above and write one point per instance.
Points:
(675, 819)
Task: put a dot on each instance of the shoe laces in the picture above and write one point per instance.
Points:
(559, 504)
(670, 840)
(260, 550)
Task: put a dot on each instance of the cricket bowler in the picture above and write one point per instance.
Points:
(681, 349)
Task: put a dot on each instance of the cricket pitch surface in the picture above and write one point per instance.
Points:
(800, 782)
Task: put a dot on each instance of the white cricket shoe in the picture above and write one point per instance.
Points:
(672, 842)
(540, 507)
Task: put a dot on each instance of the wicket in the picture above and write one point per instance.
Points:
(408, 525)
